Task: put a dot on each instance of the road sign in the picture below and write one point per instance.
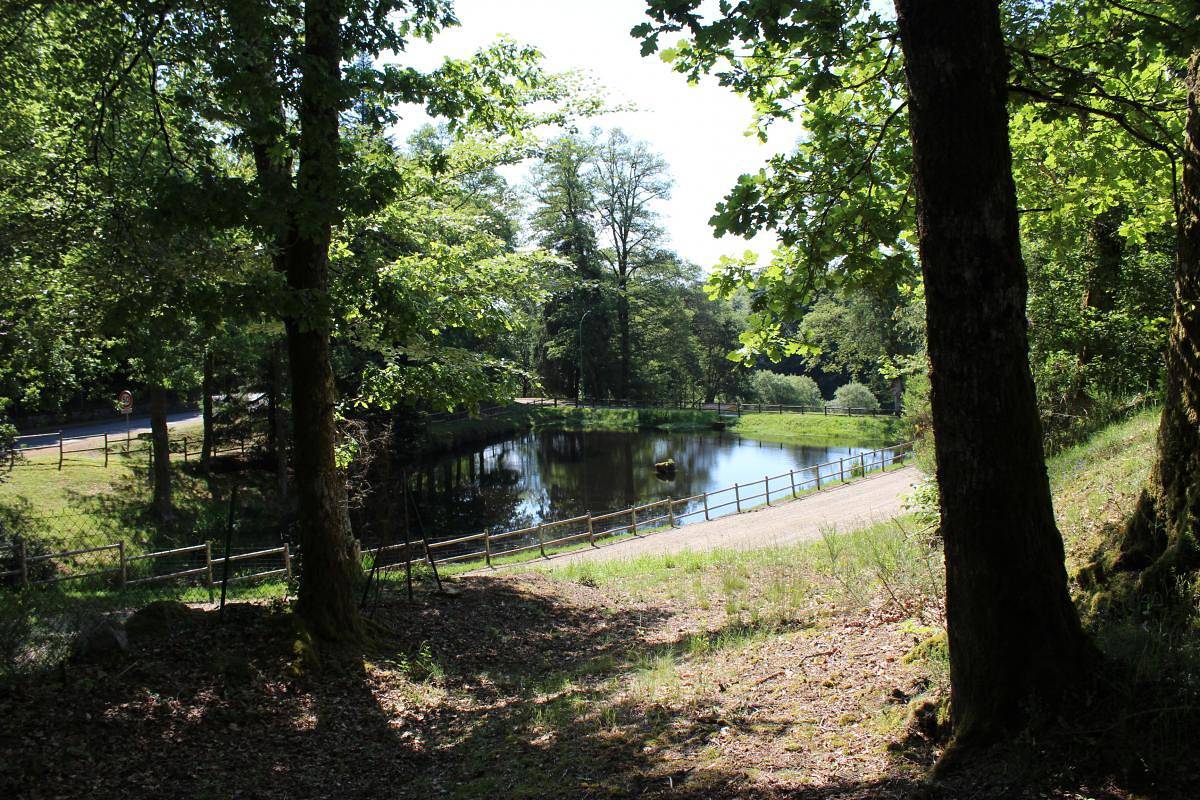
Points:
(125, 401)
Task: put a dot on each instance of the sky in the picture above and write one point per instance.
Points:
(700, 130)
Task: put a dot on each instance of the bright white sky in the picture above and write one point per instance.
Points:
(700, 130)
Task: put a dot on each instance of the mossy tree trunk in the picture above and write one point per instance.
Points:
(1161, 536)
(1016, 645)
(301, 236)
(160, 451)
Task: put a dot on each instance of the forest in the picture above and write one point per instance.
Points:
(369, 307)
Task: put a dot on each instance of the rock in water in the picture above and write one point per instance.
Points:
(665, 469)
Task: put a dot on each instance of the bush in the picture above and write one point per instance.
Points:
(789, 390)
(856, 396)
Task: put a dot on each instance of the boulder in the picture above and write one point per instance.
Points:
(159, 618)
(665, 468)
(99, 639)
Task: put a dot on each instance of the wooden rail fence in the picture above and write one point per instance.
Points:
(648, 517)
(127, 568)
(637, 521)
(186, 446)
(735, 408)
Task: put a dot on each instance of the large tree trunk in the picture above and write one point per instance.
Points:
(278, 434)
(206, 410)
(161, 454)
(623, 325)
(1161, 536)
(329, 572)
(1016, 646)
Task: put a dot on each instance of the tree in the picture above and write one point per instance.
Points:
(1015, 638)
(630, 180)
(1161, 535)
(789, 390)
(855, 396)
(1016, 645)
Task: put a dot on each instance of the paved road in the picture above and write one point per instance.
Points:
(871, 499)
(114, 428)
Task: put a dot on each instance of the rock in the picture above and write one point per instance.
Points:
(159, 618)
(666, 467)
(99, 639)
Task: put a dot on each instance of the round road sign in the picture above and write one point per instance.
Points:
(125, 401)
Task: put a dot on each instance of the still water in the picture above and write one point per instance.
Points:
(547, 475)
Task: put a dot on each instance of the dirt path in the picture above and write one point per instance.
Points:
(870, 499)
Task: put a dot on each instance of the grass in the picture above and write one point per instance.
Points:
(627, 419)
(819, 429)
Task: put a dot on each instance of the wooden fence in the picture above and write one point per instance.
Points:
(112, 560)
(186, 446)
(648, 517)
(735, 408)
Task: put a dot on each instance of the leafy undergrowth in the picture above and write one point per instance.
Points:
(811, 671)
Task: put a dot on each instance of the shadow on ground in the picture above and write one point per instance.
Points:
(503, 691)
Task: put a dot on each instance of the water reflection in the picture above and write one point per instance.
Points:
(553, 474)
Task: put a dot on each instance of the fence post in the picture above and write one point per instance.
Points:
(22, 555)
(487, 548)
(106, 449)
(818, 471)
(705, 496)
(185, 449)
(287, 559)
(60, 450)
(767, 488)
(591, 531)
(633, 520)
(541, 541)
(208, 576)
(737, 498)
(842, 469)
(792, 477)
(243, 444)
(862, 463)
(670, 512)
(121, 556)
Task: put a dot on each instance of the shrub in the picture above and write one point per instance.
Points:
(854, 395)
(789, 390)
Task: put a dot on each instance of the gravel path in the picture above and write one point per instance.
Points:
(870, 499)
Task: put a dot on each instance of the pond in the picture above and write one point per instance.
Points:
(545, 475)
